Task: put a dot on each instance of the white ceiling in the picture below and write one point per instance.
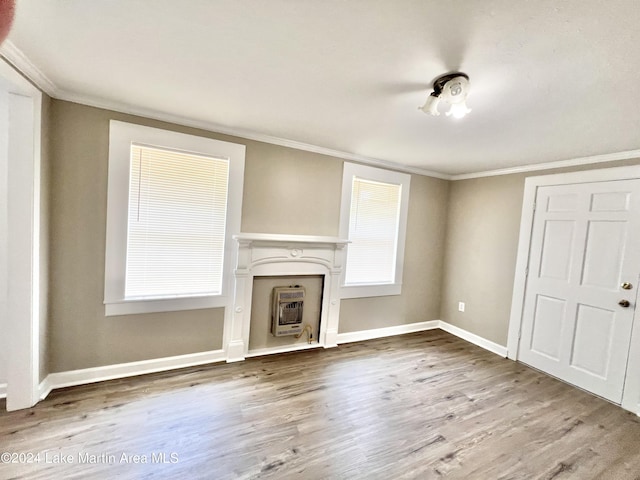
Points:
(550, 80)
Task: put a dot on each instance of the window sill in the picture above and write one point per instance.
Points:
(363, 291)
(134, 307)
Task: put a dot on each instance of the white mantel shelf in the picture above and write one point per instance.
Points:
(282, 238)
(264, 254)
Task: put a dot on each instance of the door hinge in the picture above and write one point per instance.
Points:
(526, 272)
(534, 207)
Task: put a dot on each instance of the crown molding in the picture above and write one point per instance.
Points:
(607, 157)
(21, 62)
(238, 132)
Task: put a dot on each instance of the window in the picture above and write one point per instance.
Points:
(177, 218)
(174, 202)
(374, 219)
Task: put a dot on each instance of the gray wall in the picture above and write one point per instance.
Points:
(285, 191)
(461, 244)
(482, 240)
(290, 191)
(481, 250)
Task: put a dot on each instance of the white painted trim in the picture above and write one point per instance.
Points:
(351, 171)
(473, 338)
(19, 60)
(23, 242)
(251, 135)
(15, 56)
(121, 136)
(374, 162)
(387, 331)
(3, 390)
(241, 133)
(4, 230)
(296, 347)
(133, 307)
(278, 238)
(44, 388)
(522, 261)
(608, 157)
(631, 392)
(420, 327)
(586, 176)
(132, 369)
(282, 255)
(235, 348)
(99, 374)
(372, 334)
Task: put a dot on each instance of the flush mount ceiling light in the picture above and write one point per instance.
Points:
(452, 88)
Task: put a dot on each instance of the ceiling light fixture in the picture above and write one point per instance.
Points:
(452, 88)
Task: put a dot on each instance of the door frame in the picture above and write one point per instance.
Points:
(22, 247)
(631, 390)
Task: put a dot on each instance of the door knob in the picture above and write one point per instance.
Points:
(626, 286)
(624, 303)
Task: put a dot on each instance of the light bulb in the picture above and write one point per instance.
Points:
(458, 110)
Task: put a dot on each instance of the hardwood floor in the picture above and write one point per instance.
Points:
(425, 405)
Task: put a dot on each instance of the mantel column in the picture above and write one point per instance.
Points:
(333, 315)
(237, 347)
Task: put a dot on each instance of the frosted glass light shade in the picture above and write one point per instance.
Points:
(431, 105)
(458, 110)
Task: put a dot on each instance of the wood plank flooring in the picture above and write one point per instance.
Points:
(418, 406)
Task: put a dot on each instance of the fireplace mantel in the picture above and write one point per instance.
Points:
(262, 254)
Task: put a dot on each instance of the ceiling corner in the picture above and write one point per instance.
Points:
(21, 62)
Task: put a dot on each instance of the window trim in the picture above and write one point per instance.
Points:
(351, 170)
(121, 136)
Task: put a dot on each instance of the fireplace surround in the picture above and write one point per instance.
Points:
(261, 254)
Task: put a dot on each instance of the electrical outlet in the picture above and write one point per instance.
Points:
(461, 306)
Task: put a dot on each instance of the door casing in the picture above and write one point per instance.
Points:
(22, 194)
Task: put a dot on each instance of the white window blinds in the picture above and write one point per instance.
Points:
(176, 223)
(373, 232)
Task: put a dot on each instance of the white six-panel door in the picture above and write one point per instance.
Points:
(585, 244)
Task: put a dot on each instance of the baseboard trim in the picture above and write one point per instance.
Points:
(420, 327)
(110, 372)
(3, 390)
(259, 352)
(473, 338)
(45, 388)
(386, 331)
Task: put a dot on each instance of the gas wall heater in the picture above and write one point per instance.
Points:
(286, 310)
